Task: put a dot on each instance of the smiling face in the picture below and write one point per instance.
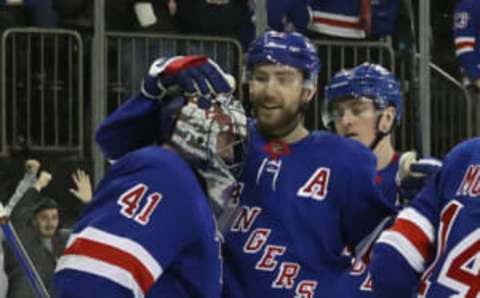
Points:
(46, 222)
(277, 95)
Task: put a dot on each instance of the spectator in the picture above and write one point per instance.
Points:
(13, 13)
(36, 219)
(288, 15)
(467, 41)
(75, 14)
(31, 169)
(136, 53)
(156, 16)
(354, 18)
(216, 17)
(42, 14)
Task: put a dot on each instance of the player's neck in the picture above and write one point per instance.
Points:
(296, 134)
(384, 153)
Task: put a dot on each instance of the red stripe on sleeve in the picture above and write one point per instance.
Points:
(338, 23)
(113, 256)
(465, 44)
(414, 234)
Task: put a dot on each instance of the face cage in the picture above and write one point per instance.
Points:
(198, 143)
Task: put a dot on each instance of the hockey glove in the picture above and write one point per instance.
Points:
(413, 174)
(186, 75)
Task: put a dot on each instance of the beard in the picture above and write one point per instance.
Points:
(277, 122)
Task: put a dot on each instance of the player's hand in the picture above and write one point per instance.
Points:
(413, 174)
(43, 180)
(32, 166)
(186, 75)
(83, 190)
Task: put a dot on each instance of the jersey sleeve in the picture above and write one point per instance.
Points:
(406, 246)
(137, 225)
(363, 208)
(131, 126)
(466, 31)
(410, 244)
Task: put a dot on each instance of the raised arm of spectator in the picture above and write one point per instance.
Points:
(31, 170)
(20, 215)
(83, 190)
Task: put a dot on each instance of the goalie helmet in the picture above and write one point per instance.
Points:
(289, 49)
(211, 134)
(366, 80)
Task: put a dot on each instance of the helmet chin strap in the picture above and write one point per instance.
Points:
(379, 135)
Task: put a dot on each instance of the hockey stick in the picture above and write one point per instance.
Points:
(22, 257)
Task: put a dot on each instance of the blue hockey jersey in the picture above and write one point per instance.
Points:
(302, 204)
(385, 180)
(434, 244)
(359, 278)
(346, 18)
(148, 232)
(281, 11)
(467, 37)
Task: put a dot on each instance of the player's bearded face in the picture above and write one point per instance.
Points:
(355, 118)
(277, 95)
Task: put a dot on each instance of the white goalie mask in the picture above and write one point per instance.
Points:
(212, 135)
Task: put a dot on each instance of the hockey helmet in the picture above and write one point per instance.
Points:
(366, 80)
(283, 48)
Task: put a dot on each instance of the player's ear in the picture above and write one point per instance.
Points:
(307, 95)
(388, 119)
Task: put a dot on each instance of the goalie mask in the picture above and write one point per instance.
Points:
(211, 134)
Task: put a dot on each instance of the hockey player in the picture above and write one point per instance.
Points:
(434, 244)
(297, 213)
(365, 104)
(150, 231)
(467, 40)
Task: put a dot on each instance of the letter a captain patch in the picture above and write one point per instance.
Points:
(317, 185)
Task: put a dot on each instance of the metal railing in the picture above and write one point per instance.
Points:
(42, 84)
(452, 112)
(130, 54)
(42, 90)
